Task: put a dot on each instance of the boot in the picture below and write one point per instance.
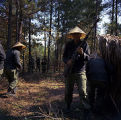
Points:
(14, 90)
(11, 92)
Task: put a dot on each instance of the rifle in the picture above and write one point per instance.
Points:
(68, 68)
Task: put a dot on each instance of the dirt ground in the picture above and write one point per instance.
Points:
(40, 98)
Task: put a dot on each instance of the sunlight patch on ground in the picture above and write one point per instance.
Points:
(31, 94)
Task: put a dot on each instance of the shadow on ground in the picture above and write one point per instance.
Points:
(42, 98)
(56, 109)
(4, 115)
(37, 77)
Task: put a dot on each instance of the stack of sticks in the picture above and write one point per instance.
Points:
(110, 49)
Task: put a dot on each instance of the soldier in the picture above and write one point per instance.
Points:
(32, 64)
(75, 55)
(38, 64)
(12, 66)
(44, 64)
(2, 58)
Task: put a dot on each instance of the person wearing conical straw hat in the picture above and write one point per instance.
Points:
(76, 53)
(13, 66)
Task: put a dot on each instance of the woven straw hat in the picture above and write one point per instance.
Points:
(18, 44)
(76, 30)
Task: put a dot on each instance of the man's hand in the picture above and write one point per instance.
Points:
(19, 67)
(80, 50)
(69, 62)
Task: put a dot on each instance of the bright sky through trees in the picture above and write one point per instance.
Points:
(105, 19)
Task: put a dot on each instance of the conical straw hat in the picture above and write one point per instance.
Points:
(76, 30)
(18, 44)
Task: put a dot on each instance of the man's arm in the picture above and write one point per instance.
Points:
(17, 59)
(87, 53)
(84, 51)
(2, 54)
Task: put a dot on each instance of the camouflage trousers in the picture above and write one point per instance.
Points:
(80, 80)
(1, 72)
(12, 76)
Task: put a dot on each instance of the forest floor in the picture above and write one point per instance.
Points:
(39, 98)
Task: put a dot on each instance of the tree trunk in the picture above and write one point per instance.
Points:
(23, 63)
(56, 40)
(95, 29)
(44, 38)
(116, 32)
(45, 43)
(58, 20)
(16, 20)
(51, 9)
(60, 59)
(20, 23)
(24, 55)
(9, 25)
(112, 19)
(29, 45)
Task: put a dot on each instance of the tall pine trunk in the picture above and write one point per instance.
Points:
(45, 43)
(16, 20)
(44, 38)
(112, 18)
(116, 30)
(95, 29)
(29, 45)
(24, 53)
(58, 33)
(51, 10)
(57, 49)
(20, 22)
(9, 25)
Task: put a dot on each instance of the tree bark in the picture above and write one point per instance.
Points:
(116, 31)
(51, 9)
(95, 29)
(20, 22)
(9, 25)
(112, 19)
(16, 20)
(24, 55)
(44, 38)
(29, 45)
(58, 26)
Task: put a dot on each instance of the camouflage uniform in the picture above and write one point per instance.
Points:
(1, 72)
(2, 58)
(38, 64)
(44, 65)
(32, 64)
(12, 64)
(80, 80)
(12, 76)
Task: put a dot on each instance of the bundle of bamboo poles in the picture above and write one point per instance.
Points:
(110, 49)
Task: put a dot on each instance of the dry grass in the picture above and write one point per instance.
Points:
(39, 98)
(33, 92)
